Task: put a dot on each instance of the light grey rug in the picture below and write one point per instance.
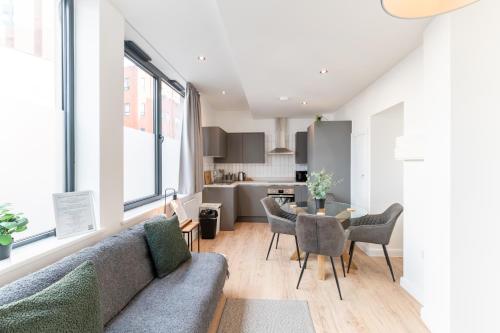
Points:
(265, 316)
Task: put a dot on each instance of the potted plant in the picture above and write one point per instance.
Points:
(9, 223)
(319, 183)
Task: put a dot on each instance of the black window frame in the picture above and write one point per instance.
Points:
(68, 107)
(143, 61)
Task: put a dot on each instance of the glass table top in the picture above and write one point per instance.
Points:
(336, 209)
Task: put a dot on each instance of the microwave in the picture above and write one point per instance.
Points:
(300, 176)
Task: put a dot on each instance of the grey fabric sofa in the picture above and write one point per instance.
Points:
(132, 299)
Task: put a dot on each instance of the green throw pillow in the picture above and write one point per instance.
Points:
(69, 305)
(166, 243)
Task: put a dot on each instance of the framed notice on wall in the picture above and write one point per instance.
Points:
(74, 213)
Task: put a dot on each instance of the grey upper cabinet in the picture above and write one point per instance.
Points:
(254, 148)
(329, 148)
(244, 148)
(234, 149)
(301, 147)
(214, 141)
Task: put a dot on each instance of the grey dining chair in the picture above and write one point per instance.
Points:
(281, 222)
(375, 229)
(321, 235)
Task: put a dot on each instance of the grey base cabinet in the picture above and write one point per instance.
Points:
(301, 194)
(227, 196)
(250, 208)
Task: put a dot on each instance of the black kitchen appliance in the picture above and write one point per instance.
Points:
(300, 176)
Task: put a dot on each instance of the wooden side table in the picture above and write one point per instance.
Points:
(188, 229)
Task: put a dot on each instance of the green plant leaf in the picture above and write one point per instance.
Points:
(6, 239)
(8, 225)
(21, 228)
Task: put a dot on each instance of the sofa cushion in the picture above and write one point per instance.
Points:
(166, 243)
(123, 263)
(184, 301)
(69, 305)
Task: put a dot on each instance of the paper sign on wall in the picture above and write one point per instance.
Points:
(74, 213)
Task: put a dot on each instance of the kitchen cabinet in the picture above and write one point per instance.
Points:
(301, 193)
(250, 208)
(329, 149)
(254, 148)
(227, 196)
(244, 148)
(214, 141)
(301, 148)
(234, 149)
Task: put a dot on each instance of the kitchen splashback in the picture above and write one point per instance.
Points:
(276, 166)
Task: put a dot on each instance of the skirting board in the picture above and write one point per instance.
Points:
(412, 290)
(373, 250)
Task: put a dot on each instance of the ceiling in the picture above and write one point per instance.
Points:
(260, 50)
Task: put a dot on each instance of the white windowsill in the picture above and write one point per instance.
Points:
(27, 254)
(142, 212)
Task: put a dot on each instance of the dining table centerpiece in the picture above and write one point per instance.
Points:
(318, 184)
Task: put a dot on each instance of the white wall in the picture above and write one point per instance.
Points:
(437, 113)
(402, 84)
(386, 185)
(475, 165)
(243, 121)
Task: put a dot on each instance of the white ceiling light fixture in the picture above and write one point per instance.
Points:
(410, 9)
(202, 58)
(284, 98)
(223, 92)
(323, 70)
(304, 103)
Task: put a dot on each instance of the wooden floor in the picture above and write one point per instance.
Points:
(372, 302)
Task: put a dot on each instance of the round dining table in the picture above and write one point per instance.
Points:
(343, 212)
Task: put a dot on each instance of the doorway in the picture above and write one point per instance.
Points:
(386, 173)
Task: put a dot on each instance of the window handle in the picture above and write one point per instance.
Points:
(161, 138)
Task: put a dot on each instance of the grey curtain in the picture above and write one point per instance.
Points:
(191, 164)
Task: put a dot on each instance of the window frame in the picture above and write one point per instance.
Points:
(67, 44)
(159, 77)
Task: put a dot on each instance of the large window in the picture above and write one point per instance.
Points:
(171, 125)
(152, 132)
(33, 134)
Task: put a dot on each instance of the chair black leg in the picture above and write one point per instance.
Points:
(277, 240)
(342, 262)
(298, 251)
(351, 254)
(388, 262)
(336, 278)
(302, 270)
(270, 245)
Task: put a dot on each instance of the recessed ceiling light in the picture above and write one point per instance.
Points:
(323, 70)
(284, 98)
(202, 58)
(303, 102)
(223, 92)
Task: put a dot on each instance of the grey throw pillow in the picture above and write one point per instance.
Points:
(166, 244)
(69, 305)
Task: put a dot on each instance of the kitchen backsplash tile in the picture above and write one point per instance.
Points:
(276, 166)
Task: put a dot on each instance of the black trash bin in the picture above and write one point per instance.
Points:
(208, 222)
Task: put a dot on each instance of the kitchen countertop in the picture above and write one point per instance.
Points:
(258, 183)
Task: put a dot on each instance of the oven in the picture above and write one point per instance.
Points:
(281, 194)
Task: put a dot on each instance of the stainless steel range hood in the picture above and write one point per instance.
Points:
(281, 147)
